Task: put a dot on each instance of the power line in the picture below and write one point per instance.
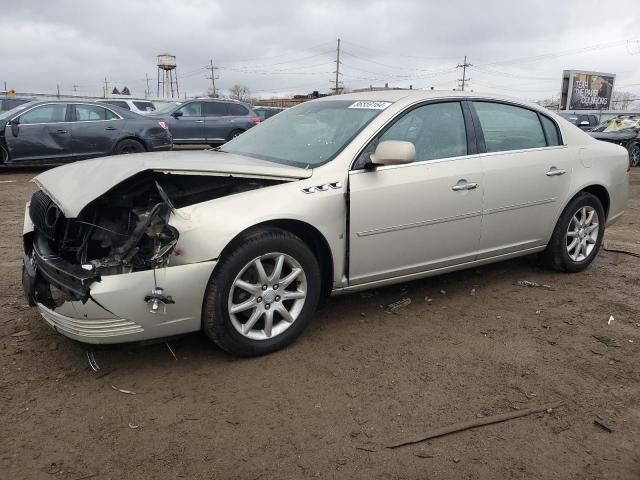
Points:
(464, 78)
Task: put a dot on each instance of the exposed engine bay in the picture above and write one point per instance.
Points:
(125, 230)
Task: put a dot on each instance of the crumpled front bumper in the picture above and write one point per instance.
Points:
(115, 311)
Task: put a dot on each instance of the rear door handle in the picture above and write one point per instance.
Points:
(110, 128)
(464, 186)
(61, 131)
(199, 121)
(555, 172)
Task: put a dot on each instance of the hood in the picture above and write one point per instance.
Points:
(75, 185)
(626, 134)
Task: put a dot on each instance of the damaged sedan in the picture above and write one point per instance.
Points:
(335, 195)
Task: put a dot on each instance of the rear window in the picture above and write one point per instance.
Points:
(144, 106)
(236, 109)
(507, 127)
(116, 103)
(551, 131)
(215, 109)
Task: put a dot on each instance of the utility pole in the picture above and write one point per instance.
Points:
(337, 72)
(106, 87)
(5, 85)
(147, 93)
(464, 80)
(75, 88)
(212, 68)
(58, 88)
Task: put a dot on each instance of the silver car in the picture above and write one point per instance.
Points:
(333, 196)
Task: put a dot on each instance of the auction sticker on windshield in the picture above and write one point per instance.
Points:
(370, 105)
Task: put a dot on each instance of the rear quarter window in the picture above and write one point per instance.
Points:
(551, 131)
(235, 109)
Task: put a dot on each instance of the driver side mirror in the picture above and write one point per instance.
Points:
(15, 126)
(177, 114)
(393, 152)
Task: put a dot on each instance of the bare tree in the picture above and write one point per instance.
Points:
(240, 92)
(622, 100)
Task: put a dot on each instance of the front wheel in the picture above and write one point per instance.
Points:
(235, 133)
(127, 146)
(262, 295)
(634, 154)
(577, 236)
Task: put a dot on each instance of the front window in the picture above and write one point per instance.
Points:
(53, 113)
(193, 109)
(308, 135)
(166, 107)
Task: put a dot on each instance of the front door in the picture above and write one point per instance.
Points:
(188, 127)
(421, 216)
(527, 174)
(42, 133)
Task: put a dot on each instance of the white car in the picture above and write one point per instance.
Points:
(333, 196)
(141, 107)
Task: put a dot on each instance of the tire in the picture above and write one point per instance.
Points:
(233, 332)
(235, 133)
(634, 154)
(128, 146)
(568, 229)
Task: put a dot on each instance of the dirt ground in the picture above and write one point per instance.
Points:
(358, 379)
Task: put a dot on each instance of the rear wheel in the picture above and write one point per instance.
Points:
(263, 295)
(235, 133)
(577, 236)
(634, 154)
(128, 146)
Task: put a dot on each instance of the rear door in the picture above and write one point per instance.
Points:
(95, 130)
(42, 133)
(216, 122)
(527, 173)
(189, 127)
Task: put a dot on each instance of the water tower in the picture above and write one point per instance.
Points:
(167, 76)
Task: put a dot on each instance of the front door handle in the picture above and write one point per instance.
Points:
(110, 128)
(199, 121)
(464, 186)
(61, 131)
(555, 172)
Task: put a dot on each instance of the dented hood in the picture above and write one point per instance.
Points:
(75, 185)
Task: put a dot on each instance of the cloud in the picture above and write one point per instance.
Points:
(286, 46)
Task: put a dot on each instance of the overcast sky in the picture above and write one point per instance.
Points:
(281, 47)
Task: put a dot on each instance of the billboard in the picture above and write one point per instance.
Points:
(582, 90)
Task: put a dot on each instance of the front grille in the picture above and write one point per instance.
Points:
(45, 215)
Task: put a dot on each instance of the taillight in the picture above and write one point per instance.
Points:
(163, 124)
(255, 120)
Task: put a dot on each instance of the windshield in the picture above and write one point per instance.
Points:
(166, 107)
(617, 123)
(308, 135)
(13, 111)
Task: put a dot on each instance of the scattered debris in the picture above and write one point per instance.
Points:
(423, 454)
(456, 460)
(478, 422)
(92, 361)
(427, 299)
(365, 449)
(122, 390)
(171, 350)
(538, 312)
(611, 320)
(395, 306)
(602, 424)
(443, 292)
(366, 295)
(473, 292)
(21, 333)
(530, 284)
(133, 427)
(8, 181)
(608, 341)
(621, 247)
(596, 352)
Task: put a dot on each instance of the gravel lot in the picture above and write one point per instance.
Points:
(357, 380)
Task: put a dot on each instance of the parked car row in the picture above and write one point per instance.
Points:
(335, 195)
(623, 130)
(54, 132)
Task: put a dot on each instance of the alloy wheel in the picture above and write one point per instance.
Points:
(582, 234)
(634, 155)
(267, 296)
